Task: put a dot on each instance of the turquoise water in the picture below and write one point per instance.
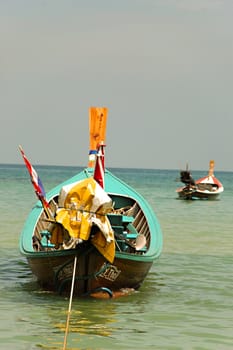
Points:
(186, 302)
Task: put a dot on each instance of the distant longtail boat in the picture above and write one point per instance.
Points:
(207, 187)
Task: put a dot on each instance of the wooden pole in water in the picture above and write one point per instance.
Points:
(70, 304)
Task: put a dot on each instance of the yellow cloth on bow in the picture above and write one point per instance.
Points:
(107, 249)
(83, 204)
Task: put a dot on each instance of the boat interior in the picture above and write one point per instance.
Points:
(130, 227)
(207, 187)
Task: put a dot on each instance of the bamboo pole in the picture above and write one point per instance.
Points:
(70, 304)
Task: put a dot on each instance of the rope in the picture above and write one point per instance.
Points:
(70, 303)
(60, 287)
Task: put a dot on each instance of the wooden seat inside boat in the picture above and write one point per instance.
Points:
(120, 224)
(124, 230)
(45, 239)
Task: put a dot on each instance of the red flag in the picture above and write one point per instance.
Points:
(37, 184)
(99, 166)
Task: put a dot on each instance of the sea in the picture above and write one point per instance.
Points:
(186, 301)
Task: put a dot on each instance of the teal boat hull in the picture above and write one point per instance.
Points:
(54, 268)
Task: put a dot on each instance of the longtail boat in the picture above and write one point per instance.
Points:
(207, 187)
(95, 218)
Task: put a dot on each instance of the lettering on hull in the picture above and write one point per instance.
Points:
(110, 273)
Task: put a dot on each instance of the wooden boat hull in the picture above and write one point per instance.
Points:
(92, 274)
(53, 268)
(184, 193)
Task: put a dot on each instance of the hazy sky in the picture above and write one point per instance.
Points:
(164, 68)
